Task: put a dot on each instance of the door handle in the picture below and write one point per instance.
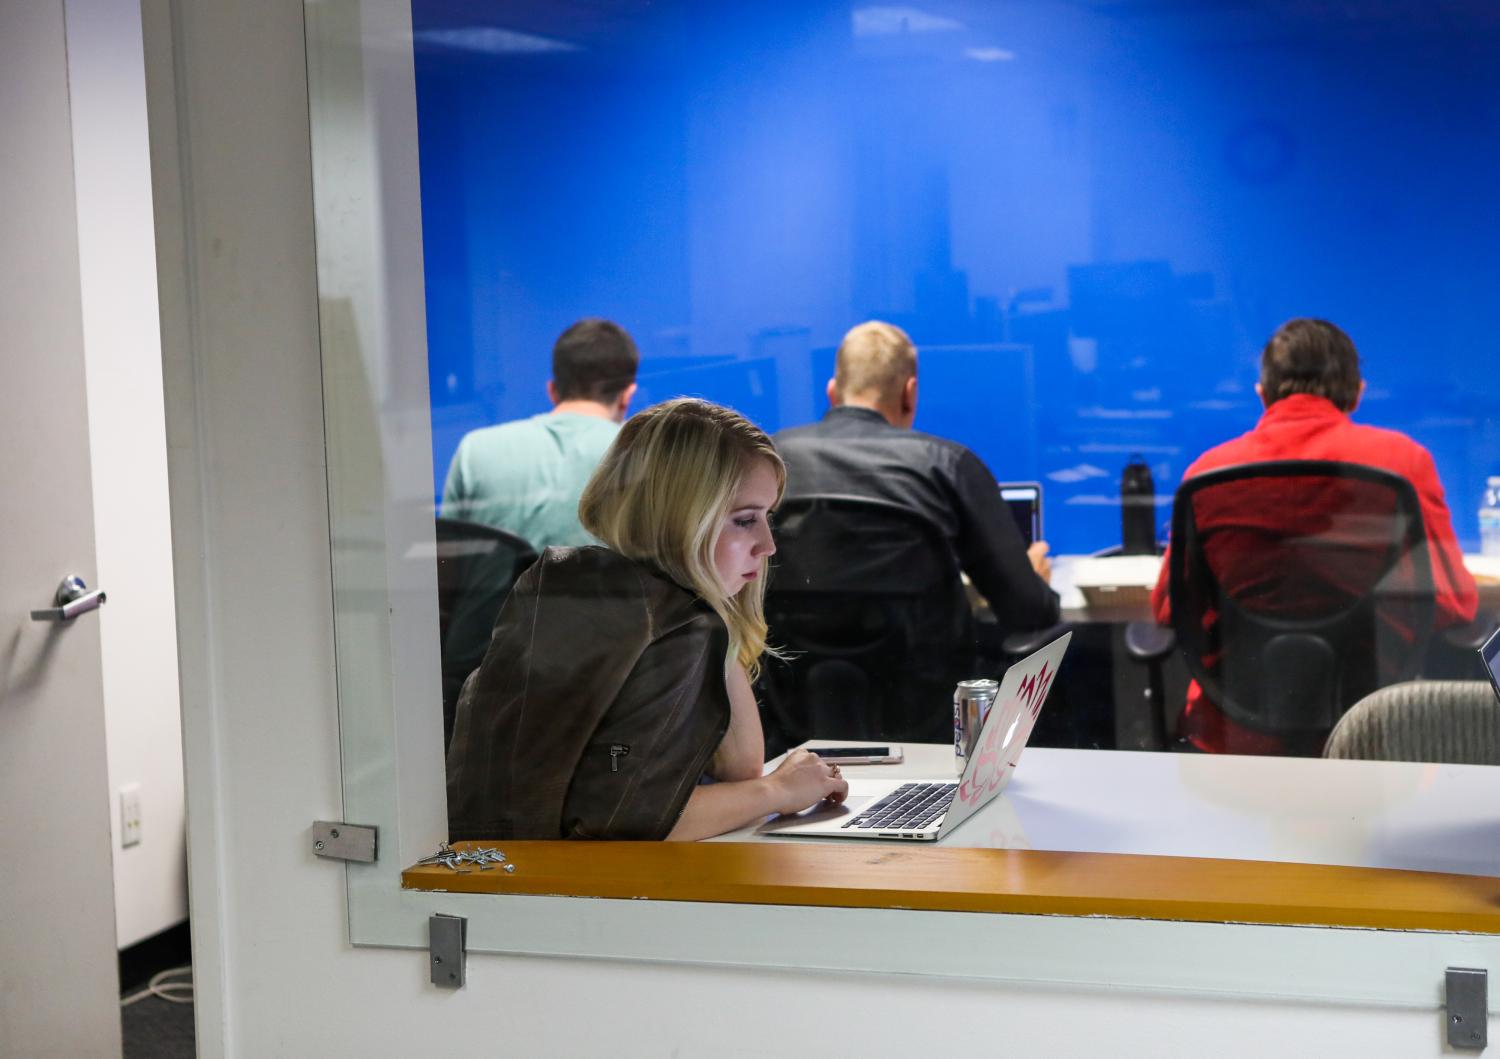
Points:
(72, 598)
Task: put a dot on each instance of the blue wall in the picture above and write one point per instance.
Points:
(1089, 216)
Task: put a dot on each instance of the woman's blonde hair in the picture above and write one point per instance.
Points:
(662, 492)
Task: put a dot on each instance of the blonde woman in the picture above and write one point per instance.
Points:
(618, 678)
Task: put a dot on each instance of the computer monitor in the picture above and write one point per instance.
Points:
(1025, 502)
(1490, 652)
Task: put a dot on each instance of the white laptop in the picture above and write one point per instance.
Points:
(929, 810)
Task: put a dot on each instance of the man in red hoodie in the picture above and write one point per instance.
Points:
(1310, 384)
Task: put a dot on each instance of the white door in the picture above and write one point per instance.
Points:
(59, 989)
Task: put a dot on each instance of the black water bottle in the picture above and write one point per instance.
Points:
(1137, 509)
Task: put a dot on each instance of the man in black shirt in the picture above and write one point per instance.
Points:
(865, 446)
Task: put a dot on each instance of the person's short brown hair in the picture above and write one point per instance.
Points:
(875, 359)
(593, 361)
(1313, 357)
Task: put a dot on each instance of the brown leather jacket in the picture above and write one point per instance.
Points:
(596, 709)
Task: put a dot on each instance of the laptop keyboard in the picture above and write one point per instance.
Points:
(909, 807)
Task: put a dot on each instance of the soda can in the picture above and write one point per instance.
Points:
(971, 705)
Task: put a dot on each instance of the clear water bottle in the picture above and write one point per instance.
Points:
(1489, 518)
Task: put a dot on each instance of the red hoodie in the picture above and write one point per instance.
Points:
(1304, 427)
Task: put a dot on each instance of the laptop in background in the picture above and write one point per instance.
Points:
(1025, 502)
(929, 810)
(1490, 652)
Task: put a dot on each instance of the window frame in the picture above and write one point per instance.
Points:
(378, 434)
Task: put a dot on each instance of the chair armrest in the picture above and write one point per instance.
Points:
(1471, 637)
(1148, 642)
(1021, 644)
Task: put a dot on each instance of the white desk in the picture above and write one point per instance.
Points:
(1120, 586)
(1353, 813)
(1111, 835)
(1126, 595)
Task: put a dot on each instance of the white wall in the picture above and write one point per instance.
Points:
(127, 437)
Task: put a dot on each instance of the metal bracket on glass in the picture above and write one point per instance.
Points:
(340, 841)
(446, 949)
(71, 599)
(1467, 1004)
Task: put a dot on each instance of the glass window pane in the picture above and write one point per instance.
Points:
(1089, 221)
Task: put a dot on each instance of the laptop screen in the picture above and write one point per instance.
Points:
(1018, 701)
(1490, 652)
(1025, 502)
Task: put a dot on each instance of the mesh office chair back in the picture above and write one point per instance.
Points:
(866, 598)
(1298, 586)
(476, 567)
(1446, 721)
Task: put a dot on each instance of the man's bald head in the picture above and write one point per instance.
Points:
(876, 368)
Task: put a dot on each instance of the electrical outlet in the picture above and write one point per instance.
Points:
(130, 815)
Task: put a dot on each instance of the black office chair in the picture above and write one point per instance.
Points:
(866, 598)
(476, 567)
(1297, 588)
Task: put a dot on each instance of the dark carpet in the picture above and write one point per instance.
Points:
(158, 1029)
(154, 1028)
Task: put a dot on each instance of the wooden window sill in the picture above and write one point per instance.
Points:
(1025, 882)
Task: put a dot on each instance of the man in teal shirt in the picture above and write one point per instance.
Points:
(526, 476)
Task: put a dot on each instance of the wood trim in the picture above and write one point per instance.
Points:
(1027, 882)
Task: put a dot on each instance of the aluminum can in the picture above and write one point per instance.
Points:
(971, 705)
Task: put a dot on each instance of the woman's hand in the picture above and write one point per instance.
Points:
(799, 781)
(804, 778)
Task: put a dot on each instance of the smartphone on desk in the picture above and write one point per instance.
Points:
(860, 755)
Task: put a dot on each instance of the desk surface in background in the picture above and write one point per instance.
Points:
(1441, 818)
(1132, 578)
